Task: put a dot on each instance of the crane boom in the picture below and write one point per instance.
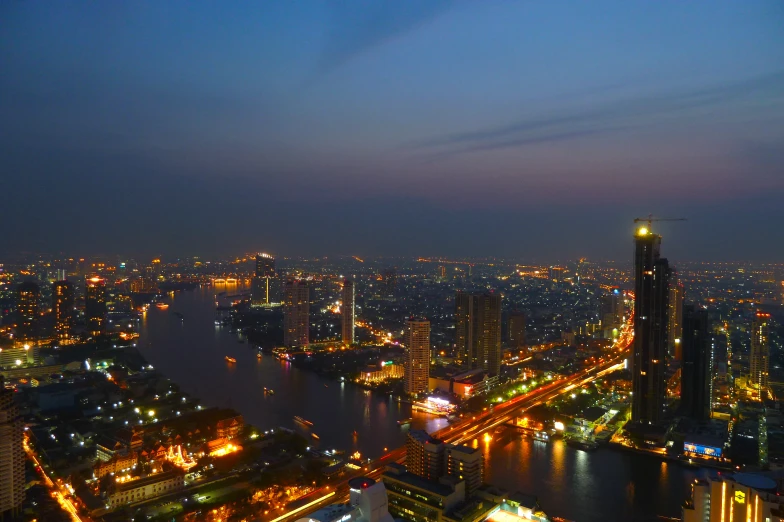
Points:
(650, 219)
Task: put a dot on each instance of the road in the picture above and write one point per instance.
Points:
(58, 492)
(474, 426)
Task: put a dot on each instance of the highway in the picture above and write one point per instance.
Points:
(474, 426)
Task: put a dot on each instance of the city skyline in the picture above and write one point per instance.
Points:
(439, 119)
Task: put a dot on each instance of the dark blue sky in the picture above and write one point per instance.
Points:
(513, 128)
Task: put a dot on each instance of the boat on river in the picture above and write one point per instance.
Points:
(583, 444)
(403, 422)
(231, 359)
(162, 306)
(299, 419)
(314, 436)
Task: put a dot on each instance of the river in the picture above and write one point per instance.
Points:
(603, 485)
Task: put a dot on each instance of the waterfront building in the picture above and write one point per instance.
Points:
(146, 488)
(368, 502)
(466, 463)
(424, 455)
(27, 295)
(264, 285)
(417, 367)
(63, 306)
(675, 312)
(734, 497)
(383, 371)
(697, 365)
(516, 329)
(649, 364)
(296, 314)
(347, 312)
(95, 305)
(478, 330)
(760, 354)
(12, 458)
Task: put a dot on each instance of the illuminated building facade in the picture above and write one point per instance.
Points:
(296, 313)
(146, 488)
(27, 295)
(516, 329)
(424, 455)
(95, 305)
(760, 353)
(651, 273)
(675, 310)
(734, 497)
(264, 286)
(611, 309)
(478, 330)
(466, 463)
(63, 306)
(12, 457)
(347, 312)
(697, 365)
(368, 502)
(417, 367)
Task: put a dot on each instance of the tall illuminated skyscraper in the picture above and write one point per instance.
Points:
(27, 295)
(651, 285)
(264, 286)
(675, 310)
(760, 353)
(63, 305)
(95, 305)
(12, 458)
(417, 371)
(347, 312)
(517, 329)
(296, 313)
(697, 365)
(478, 330)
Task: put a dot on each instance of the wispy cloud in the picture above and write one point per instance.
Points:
(622, 115)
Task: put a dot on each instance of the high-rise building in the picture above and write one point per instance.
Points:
(675, 310)
(466, 463)
(516, 329)
(697, 363)
(95, 305)
(12, 459)
(760, 353)
(27, 295)
(442, 273)
(417, 370)
(347, 312)
(389, 283)
(478, 330)
(264, 285)
(734, 497)
(651, 284)
(424, 455)
(611, 309)
(63, 306)
(296, 313)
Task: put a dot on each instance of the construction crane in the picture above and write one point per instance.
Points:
(650, 219)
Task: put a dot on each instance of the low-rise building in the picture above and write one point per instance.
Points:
(117, 464)
(145, 488)
(367, 503)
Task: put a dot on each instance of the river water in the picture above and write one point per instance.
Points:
(598, 486)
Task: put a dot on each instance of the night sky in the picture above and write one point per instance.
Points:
(506, 128)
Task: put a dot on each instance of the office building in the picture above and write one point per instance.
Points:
(675, 310)
(516, 329)
(296, 313)
(697, 364)
(651, 276)
(557, 274)
(63, 307)
(611, 309)
(424, 455)
(12, 458)
(368, 502)
(347, 312)
(27, 295)
(478, 331)
(760, 353)
(95, 305)
(734, 497)
(417, 369)
(466, 463)
(264, 285)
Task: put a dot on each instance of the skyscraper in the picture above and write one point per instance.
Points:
(417, 369)
(517, 329)
(611, 309)
(264, 285)
(478, 330)
(696, 370)
(675, 332)
(12, 459)
(95, 305)
(347, 312)
(63, 305)
(760, 353)
(27, 295)
(424, 455)
(389, 283)
(651, 276)
(296, 314)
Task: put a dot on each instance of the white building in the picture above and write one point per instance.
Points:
(367, 503)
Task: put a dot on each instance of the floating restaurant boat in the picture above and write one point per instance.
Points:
(162, 306)
(403, 422)
(231, 359)
(314, 436)
(585, 445)
(302, 421)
